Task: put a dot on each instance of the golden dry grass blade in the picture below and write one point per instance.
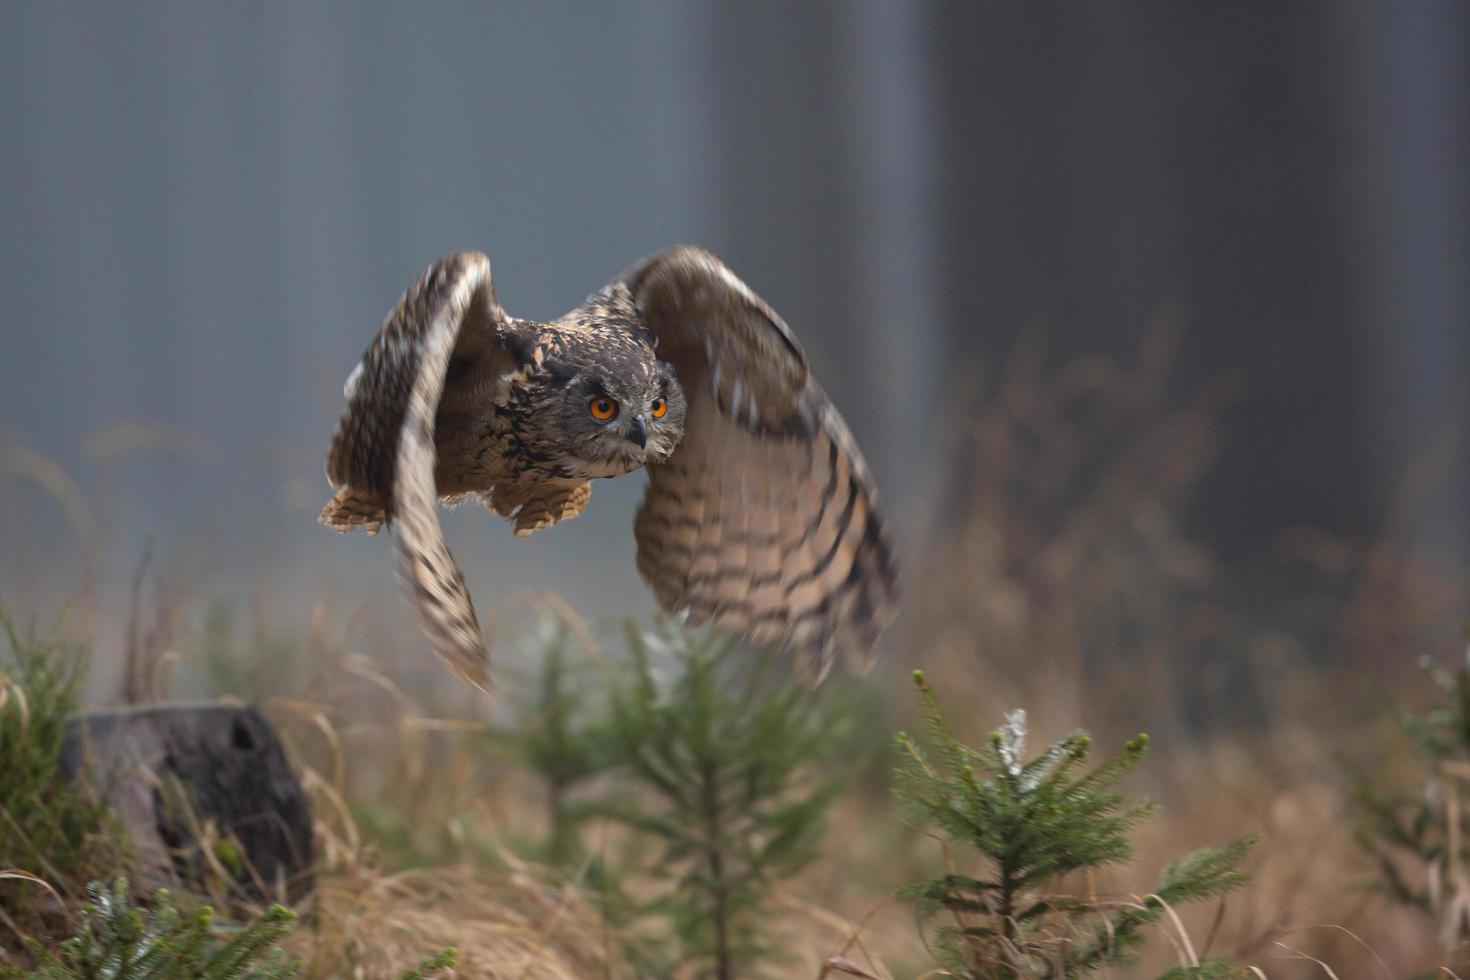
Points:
(20, 835)
(841, 964)
(1297, 954)
(313, 781)
(117, 440)
(11, 689)
(1344, 930)
(1190, 958)
(17, 874)
(851, 933)
(317, 716)
(47, 474)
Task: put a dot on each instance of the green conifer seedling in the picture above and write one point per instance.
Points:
(1026, 824)
(1420, 841)
(117, 940)
(723, 764)
(564, 740)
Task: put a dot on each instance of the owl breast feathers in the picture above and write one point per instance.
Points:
(760, 515)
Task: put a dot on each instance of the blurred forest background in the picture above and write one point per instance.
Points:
(1176, 295)
(208, 209)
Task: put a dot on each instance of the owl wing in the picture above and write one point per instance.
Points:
(441, 350)
(765, 519)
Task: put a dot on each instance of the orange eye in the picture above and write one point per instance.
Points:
(659, 409)
(602, 408)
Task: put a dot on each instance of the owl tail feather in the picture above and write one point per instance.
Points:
(351, 509)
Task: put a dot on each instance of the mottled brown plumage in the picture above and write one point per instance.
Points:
(760, 514)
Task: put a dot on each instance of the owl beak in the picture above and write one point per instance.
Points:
(639, 433)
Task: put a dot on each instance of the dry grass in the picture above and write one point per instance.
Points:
(501, 925)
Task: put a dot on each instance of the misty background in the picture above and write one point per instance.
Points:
(206, 210)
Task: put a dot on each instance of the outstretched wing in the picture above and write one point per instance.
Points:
(441, 350)
(765, 520)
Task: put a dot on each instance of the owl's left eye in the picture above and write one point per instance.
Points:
(659, 408)
(602, 408)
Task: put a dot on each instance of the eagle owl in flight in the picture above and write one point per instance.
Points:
(760, 514)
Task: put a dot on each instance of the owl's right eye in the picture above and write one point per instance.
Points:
(602, 408)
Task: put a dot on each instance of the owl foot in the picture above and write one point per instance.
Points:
(538, 506)
(351, 509)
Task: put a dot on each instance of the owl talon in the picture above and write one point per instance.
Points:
(351, 509)
(538, 506)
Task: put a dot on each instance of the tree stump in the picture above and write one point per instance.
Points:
(205, 795)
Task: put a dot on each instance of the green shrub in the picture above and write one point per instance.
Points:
(49, 825)
(1029, 824)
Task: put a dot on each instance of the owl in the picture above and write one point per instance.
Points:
(760, 514)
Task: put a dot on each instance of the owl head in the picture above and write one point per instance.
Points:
(603, 414)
